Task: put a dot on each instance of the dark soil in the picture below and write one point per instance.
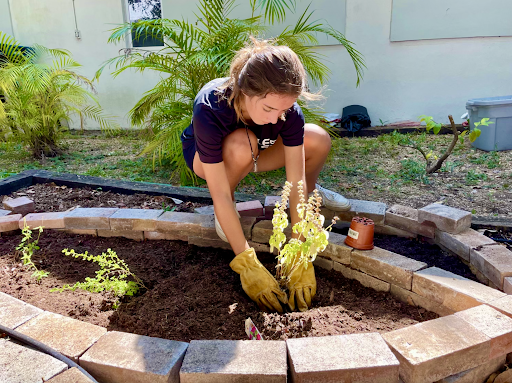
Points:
(192, 293)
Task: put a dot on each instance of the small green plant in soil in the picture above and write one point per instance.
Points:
(473, 178)
(312, 237)
(112, 275)
(26, 249)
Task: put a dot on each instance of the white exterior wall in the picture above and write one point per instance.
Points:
(403, 79)
(5, 17)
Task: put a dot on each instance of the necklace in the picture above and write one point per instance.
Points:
(254, 160)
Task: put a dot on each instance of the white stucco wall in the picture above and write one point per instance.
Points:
(403, 79)
(5, 17)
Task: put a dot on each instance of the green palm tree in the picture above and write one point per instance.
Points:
(195, 53)
(41, 92)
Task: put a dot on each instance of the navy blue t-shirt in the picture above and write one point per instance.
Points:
(213, 119)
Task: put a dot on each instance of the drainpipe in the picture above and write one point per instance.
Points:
(43, 348)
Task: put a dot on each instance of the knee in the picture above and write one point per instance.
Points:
(316, 140)
(236, 148)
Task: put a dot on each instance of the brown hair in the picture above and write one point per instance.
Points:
(261, 68)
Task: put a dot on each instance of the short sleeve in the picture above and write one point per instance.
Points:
(292, 131)
(208, 134)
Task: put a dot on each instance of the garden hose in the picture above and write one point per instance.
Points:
(43, 348)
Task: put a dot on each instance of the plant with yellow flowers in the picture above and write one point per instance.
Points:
(312, 239)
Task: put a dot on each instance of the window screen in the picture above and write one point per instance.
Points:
(145, 10)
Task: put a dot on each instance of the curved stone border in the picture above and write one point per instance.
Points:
(475, 328)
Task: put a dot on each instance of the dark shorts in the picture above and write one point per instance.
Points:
(189, 150)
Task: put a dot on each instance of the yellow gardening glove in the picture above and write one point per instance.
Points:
(257, 281)
(302, 286)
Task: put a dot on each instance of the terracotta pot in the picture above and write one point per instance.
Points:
(360, 234)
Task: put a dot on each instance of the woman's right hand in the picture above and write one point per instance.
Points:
(257, 281)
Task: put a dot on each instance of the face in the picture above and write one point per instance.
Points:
(268, 109)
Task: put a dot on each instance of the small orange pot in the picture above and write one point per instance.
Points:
(360, 234)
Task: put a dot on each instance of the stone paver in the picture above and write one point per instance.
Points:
(220, 244)
(49, 220)
(250, 209)
(503, 305)
(270, 204)
(92, 232)
(476, 375)
(155, 235)
(495, 262)
(452, 291)
(462, 243)
(73, 375)
(206, 210)
(130, 234)
(391, 230)
(492, 323)
(376, 211)
(20, 205)
(208, 227)
(119, 357)
(89, 218)
(14, 312)
(229, 361)
(445, 218)
(262, 231)
(19, 364)
(414, 299)
(342, 358)
(362, 278)
(507, 285)
(406, 218)
(323, 263)
(386, 265)
(10, 222)
(68, 336)
(438, 348)
(180, 225)
(337, 250)
(3, 212)
(135, 219)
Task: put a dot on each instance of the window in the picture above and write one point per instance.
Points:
(145, 10)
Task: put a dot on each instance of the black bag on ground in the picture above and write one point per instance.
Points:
(354, 118)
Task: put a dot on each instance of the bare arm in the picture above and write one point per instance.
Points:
(215, 175)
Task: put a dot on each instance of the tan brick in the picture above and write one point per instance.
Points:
(206, 242)
(130, 234)
(414, 299)
(476, 375)
(69, 336)
(250, 208)
(3, 212)
(391, 230)
(386, 265)
(375, 211)
(73, 375)
(135, 219)
(337, 250)
(92, 232)
(507, 285)
(362, 278)
(230, 361)
(323, 263)
(438, 348)
(180, 225)
(89, 218)
(461, 243)
(14, 312)
(208, 227)
(495, 262)
(445, 218)
(20, 205)
(342, 358)
(262, 231)
(504, 305)
(119, 357)
(452, 291)
(406, 218)
(22, 364)
(270, 204)
(493, 324)
(10, 222)
(155, 235)
(49, 220)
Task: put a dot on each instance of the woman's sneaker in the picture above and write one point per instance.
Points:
(218, 229)
(332, 200)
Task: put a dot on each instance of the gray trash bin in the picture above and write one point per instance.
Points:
(496, 136)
